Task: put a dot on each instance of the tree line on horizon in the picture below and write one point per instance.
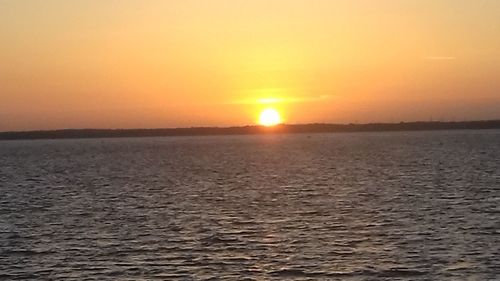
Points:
(249, 130)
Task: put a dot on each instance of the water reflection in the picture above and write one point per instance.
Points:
(378, 206)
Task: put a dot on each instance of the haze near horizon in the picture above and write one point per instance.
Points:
(146, 64)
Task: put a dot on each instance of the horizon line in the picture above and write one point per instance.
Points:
(252, 129)
(247, 125)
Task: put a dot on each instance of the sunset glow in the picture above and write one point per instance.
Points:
(150, 64)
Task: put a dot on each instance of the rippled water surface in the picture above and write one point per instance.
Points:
(366, 206)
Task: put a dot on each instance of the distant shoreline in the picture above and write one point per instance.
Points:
(250, 130)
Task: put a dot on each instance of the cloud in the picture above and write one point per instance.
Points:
(439, 58)
(272, 100)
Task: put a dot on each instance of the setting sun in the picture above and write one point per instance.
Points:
(269, 117)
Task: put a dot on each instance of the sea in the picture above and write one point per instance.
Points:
(346, 206)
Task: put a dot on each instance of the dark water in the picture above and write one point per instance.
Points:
(367, 206)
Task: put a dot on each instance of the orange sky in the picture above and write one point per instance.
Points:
(123, 64)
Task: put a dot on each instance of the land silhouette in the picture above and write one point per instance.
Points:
(249, 130)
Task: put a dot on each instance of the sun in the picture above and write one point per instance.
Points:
(269, 117)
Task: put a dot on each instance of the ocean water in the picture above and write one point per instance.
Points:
(361, 206)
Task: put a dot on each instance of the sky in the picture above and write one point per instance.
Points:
(166, 63)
